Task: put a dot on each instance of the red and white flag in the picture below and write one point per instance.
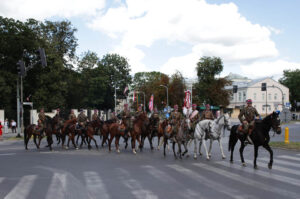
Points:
(125, 90)
(187, 99)
(151, 103)
(134, 96)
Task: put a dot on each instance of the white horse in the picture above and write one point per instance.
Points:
(215, 129)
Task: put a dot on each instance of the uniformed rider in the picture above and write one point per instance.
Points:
(72, 115)
(175, 119)
(95, 115)
(41, 120)
(247, 118)
(82, 119)
(155, 118)
(207, 113)
(194, 117)
(126, 117)
(138, 112)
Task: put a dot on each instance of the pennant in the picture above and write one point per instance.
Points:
(187, 99)
(151, 103)
(125, 90)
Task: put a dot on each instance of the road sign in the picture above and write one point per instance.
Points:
(287, 104)
(28, 103)
(285, 115)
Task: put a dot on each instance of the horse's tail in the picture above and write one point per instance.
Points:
(232, 137)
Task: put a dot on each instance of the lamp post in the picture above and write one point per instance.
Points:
(167, 95)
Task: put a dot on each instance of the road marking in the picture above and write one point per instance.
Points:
(7, 154)
(279, 168)
(263, 173)
(162, 176)
(249, 181)
(1, 179)
(95, 185)
(281, 162)
(289, 157)
(22, 189)
(232, 193)
(58, 186)
(136, 188)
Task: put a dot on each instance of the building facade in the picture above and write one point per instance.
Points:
(276, 96)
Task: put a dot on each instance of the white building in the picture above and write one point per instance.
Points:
(264, 101)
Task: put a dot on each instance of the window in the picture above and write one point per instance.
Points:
(244, 95)
(269, 107)
(254, 96)
(263, 96)
(283, 96)
(270, 96)
(263, 107)
(275, 96)
(240, 96)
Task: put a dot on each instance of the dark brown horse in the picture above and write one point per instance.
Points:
(28, 132)
(139, 125)
(116, 130)
(70, 130)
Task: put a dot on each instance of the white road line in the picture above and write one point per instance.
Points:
(136, 188)
(58, 186)
(22, 189)
(270, 175)
(232, 193)
(4, 154)
(279, 168)
(249, 181)
(95, 185)
(283, 162)
(1, 179)
(289, 157)
(164, 177)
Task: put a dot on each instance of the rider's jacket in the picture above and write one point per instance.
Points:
(207, 115)
(175, 117)
(248, 113)
(82, 119)
(72, 116)
(94, 116)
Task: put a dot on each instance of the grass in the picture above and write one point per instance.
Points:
(291, 145)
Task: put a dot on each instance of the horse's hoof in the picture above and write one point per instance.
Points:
(223, 157)
(244, 164)
(77, 148)
(200, 154)
(209, 155)
(66, 147)
(134, 152)
(270, 166)
(231, 161)
(118, 151)
(207, 158)
(195, 157)
(255, 167)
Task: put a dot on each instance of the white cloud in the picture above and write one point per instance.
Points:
(23, 9)
(212, 30)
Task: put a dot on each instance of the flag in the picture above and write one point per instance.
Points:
(133, 95)
(187, 99)
(125, 90)
(151, 103)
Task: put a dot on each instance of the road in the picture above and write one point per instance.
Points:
(36, 174)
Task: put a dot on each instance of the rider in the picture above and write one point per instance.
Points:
(126, 116)
(247, 118)
(72, 115)
(57, 113)
(175, 118)
(95, 115)
(155, 118)
(82, 119)
(138, 112)
(194, 117)
(207, 114)
(41, 120)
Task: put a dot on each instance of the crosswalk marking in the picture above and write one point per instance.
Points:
(57, 187)
(279, 168)
(95, 185)
(234, 193)
(22, 189)
(263, 173)
(249, 181)
(136, 188)
(281, 162)
(7, 154)
(289, 157)
(1, 179)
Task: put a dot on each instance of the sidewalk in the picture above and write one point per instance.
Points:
(6, 136)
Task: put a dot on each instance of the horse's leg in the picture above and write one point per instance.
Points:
(34, 140)
(110, 140)
(165, 143)
(140, 142)
(150, 141)
(133, 138)
(255, 156)
(268, 148)
(49, 139)
(141, 145)
(185, 149)
(241, 153)
(221, 148)
(232, 149)
(78, 135)
(200, 145)
(126, 142)
(205, 148)
(174, 150)
(92, 138)
(40, 138)
(117, 143)
(210, 146)
(195, 148)
(158, 139)
(179, 149)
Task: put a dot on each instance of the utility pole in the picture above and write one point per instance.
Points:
(18, 108)
(22, 109)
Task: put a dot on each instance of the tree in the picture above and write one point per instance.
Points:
(210, 89)
(176, 89)
(291, 79)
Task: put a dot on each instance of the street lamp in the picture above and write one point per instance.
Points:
(167, 95)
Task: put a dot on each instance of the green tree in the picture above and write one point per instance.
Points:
(209, 88)
(176, 89)
(291, 79)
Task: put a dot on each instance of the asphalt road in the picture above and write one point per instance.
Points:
(37, 174)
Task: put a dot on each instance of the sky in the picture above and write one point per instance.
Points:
(254, 38)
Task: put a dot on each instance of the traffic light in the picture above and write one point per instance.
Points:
(235, 88)
(21, 68)
(263, 86)
(43, 57)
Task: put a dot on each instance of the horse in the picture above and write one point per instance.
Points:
(70, 130)
(181, 137)
(160, 132)
(259, 136)
(139, 125)
(214, 129)
(116, 130)
(104, 129)
(28, 132)
(150, 131)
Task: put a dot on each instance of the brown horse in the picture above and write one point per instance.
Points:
(160, 132)
(28, 132)
(116, 130)
(70, 130)
(104, 129)
(139, 125)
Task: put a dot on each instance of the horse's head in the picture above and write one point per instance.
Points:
(275, 122)
(188, 123)
(225, 120)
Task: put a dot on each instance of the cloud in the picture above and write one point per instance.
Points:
(23, 9)
(211, 30)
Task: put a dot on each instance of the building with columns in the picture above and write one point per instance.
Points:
(276, 96)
